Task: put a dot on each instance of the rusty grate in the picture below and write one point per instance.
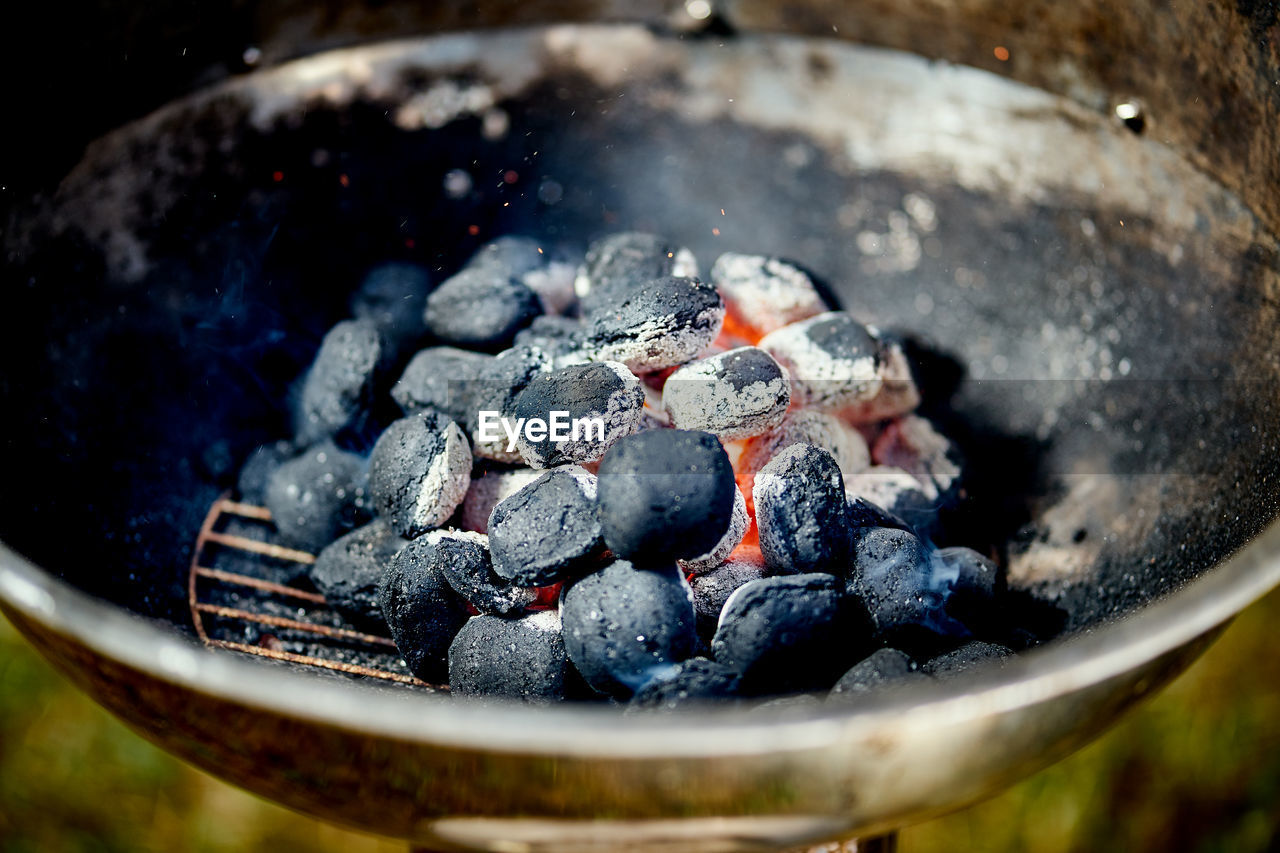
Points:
(239, 587)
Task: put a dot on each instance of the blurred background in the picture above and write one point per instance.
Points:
(1196, 769)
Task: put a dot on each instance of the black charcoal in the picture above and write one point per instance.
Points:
(895, 576)
(547, 531)
(739, 523)
(733, 395)
(618, 263)
(692, 681)
(834, 361)
(801, 511)
(973, 579)
(585, 409)
(480, 308)
(256, 472)
(622, 624)
(659, 324)
(347, 573)
(969, 656)
(563, 339)
(393, 296)
(665, 494)
(440, 379)
(421, 609)
(513, 254)
(419, 472)
(792, 633)
(712, 589)
(520, 658)
(318, 496)
(883, 668)
(497, 387)
(765, 293)
(865, 513)
(338, 391)
(463, 558)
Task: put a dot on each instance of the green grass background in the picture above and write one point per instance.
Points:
(1197, 768)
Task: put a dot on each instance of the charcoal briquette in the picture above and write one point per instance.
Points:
(834, 361)
(658, 324)
(488, 490)
(806, 426)
(616, 264)
(347, 573)
(440, 379)
(912, 444)
(897, 492)
(712, 589)
(251, 485)
(513, 254)
(898, 394)
(393, 296)
(665, 494)
(549, 530)
(884, 667)
(603, 391)
(521, 658)
(973, 579)
(338, 390)
(765, 293)
(463, 558)
(480, 308)
(623, 623)
(790, 633)
(893, 574)
(692, 681)
(419, 472)
(317, 496)
(739, 523)
(733, 395)
(421, 609)
(801, 511)
(970, 656)
(498, 385)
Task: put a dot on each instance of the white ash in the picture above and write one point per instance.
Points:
(912, 444)
(738, 524)
(622, 414)
(447, 480)
(713, 396)
(885, 486)
(660, 342)
(684, 264)
(554, 285)
(818, 378)
(547, 621)
(898, 393)
(487, 490)
(435, 537)
(806, 426)
(711, 590)
(765, 293)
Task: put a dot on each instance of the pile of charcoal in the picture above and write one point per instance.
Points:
(612, 478)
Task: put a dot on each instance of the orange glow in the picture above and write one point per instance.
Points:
(1002, 53)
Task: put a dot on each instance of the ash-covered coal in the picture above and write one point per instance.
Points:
(755, 515)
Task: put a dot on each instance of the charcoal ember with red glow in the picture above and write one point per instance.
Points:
(464, 560)
(764, 493)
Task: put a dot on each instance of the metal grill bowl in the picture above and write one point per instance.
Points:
(1139, 500)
